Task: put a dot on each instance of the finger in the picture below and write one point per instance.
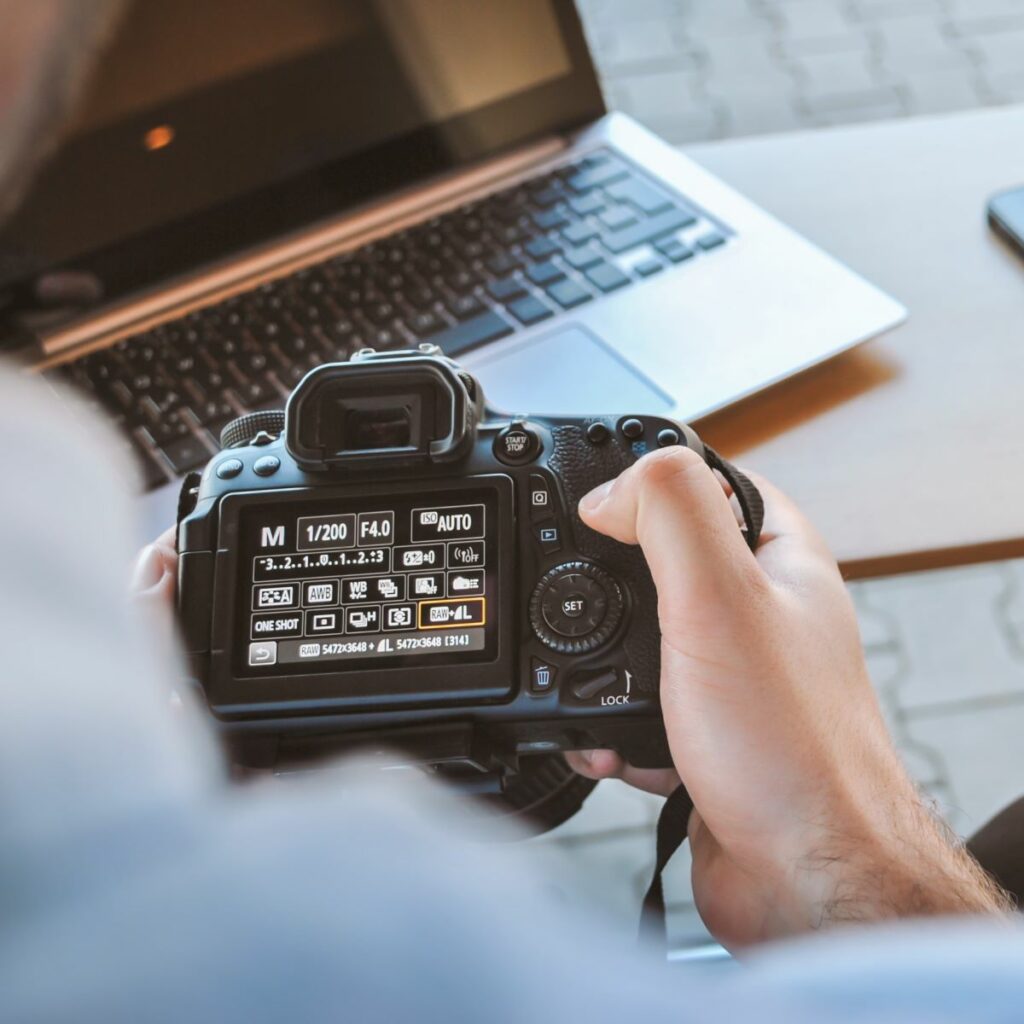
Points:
(606, 764)
(671, 503)
(168, 539)
(154, 573)
(791, 548)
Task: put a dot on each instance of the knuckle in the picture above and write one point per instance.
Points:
(669, 470)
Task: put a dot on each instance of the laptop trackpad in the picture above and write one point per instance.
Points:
(570, 372)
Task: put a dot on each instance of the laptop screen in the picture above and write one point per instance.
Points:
(210, 125)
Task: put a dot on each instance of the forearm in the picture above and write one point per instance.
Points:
(917, 868)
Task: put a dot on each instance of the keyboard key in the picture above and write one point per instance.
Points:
(649, 267)
(585, 256)
(385, 337)
(186, 453)
(502, 263)
(647, 230)
(545, 273)
(547, 220)
(711, 241)
(579, 233)
(675, 250)
(470, 333)
(547, 196)
(617, 217)
(611, 170)
(461, 280)
(541, 248)
(529, 310)
(464, 306)
(592, 202)
(506, 288)
(381, 314)
(641, 195)
(424, 324)
(607, 277)
(152, 475)
(213, 410)
(569, 294)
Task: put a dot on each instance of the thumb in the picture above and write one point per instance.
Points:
(672, 504)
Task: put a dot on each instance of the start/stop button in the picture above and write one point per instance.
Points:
(516, 445)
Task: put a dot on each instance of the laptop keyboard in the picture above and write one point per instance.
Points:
(471, 276)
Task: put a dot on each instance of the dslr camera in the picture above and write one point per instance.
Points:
(390, 564)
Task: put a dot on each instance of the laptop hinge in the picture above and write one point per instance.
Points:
(286, 255)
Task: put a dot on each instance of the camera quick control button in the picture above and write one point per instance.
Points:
(542, 675)
(229, 468)
(268, 465)
(588, 685)
(540, 498)
(598, 433)
(668, 437)
(516, 445)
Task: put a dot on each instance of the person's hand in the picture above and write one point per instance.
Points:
(804, 814)
(155, 576)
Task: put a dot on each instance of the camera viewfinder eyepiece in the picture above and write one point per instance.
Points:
(382, 409)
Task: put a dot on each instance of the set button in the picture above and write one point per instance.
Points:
(576, 607)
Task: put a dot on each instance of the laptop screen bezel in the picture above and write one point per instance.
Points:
(184, 246)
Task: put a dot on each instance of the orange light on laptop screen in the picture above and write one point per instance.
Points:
(158, 138)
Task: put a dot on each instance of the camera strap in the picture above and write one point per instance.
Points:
(675, 813)
(672, 825)
(747, 495)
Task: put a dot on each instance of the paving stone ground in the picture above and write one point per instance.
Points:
(945, 649)
(705, 69)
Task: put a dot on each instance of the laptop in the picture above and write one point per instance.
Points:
(267, 185)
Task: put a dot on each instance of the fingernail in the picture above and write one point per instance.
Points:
(592, 499)
(149, 568)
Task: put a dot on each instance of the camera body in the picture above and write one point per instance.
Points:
(393, 565)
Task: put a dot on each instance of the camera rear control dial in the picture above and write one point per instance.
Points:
(576, 607)
(253, 428)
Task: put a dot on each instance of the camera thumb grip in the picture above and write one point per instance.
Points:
(672, 827)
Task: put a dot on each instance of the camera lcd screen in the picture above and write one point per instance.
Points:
(333, 584)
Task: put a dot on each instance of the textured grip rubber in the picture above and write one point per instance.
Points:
(581, 466)
(245, 428)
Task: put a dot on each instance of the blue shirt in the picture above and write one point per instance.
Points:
(137, 883)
